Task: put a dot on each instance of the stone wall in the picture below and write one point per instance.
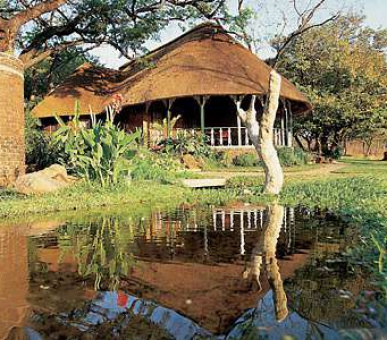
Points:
(12, 144)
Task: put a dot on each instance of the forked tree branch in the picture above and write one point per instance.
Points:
(9, 28)
(36, 11)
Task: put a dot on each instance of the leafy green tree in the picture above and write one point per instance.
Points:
(51, 26)
(342, 68)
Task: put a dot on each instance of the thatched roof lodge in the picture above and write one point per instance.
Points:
(195, 76)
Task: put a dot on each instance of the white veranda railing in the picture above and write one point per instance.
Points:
(232, 136)
(238, 137)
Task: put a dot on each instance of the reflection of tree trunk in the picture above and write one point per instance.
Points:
(275, 218)
(265, 252)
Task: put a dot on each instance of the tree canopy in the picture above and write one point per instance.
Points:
(342, 68)
(40, 28)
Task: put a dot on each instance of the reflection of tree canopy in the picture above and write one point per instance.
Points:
(331, 284)
(104, 249)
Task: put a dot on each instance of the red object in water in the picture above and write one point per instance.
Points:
(122, 299)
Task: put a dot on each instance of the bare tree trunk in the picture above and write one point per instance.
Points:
(319, 146)
(299, 142)
(261, 134)
(273, 171)
(369, 142)
(345, 146)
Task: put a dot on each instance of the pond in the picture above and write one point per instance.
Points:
(236, 272)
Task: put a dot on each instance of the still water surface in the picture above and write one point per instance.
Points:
(240, 272)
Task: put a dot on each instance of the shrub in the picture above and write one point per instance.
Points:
(218, 159)
(292, 157)
(184, 144)
(287, 156)
(40, 151)
(334, 152)
(246, 160)
(98, 153)
(147, 165)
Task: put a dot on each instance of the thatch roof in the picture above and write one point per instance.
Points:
(203, 61)
(89, 85)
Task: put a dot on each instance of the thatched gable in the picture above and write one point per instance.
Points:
(203, 61)
(89, 85)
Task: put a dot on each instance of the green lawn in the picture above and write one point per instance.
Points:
(351, 184)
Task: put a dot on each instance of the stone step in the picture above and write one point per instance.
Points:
(204, 182)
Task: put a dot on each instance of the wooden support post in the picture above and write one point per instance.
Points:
(239, 123)
(282, 131)
(290, 125)
(202, 118)
(202, 100)
(286, 117)
(169, 118)
(146, 126)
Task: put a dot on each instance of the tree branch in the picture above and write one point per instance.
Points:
(36, 11)
(10, 28)
(305, 18)
(34, 57)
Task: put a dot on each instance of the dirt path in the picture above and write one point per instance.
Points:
(323, 169)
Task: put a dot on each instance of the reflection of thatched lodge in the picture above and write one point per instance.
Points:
(212, 267)
(196, 76)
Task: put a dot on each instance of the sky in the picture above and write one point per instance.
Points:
(375, 12)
